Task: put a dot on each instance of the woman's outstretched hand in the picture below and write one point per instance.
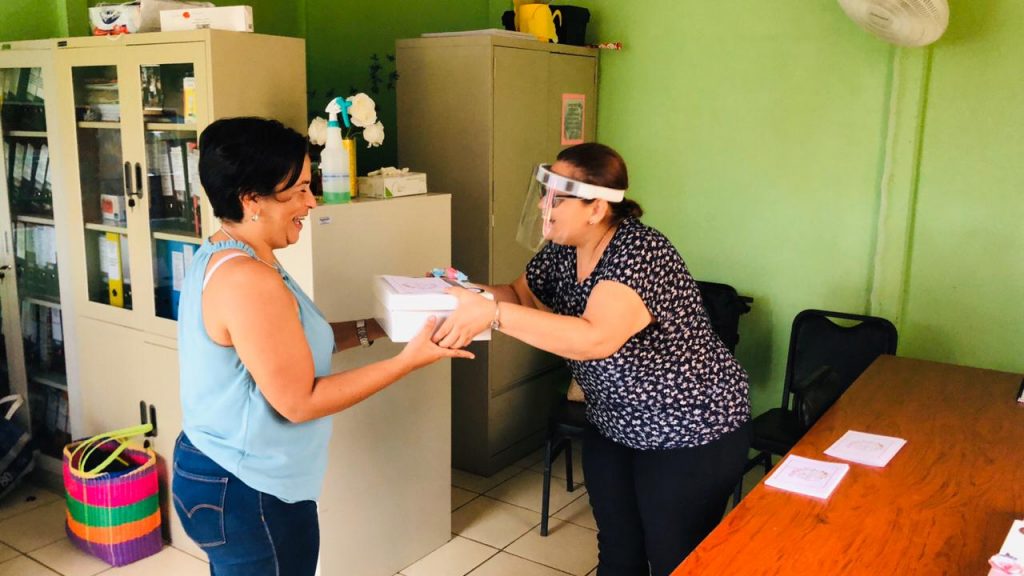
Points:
(421, 350)
(472, 316)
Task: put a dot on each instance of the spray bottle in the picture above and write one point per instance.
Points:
(334, 162)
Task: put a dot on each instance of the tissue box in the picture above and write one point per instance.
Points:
(402, 305)
(237, 18)
(407, 184)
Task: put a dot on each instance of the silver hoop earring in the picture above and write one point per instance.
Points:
(255, 217)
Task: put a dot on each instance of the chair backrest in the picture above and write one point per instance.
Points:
(817, 340)
(815, 395)
(724, 308)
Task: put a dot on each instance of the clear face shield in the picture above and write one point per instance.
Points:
(546, 192)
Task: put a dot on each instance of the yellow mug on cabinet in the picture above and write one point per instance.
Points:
(537, 19)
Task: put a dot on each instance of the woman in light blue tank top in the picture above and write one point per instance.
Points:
(255, 361)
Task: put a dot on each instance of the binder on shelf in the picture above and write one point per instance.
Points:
(27, 168)
(110, 265)
(42, 165)
(31, 279)
(30, 333)
(57, 364)
(45, 338)
(19, 241)
(126, 272)
(62, 414)
(194, 189)
(19, 83)
(57, 329)
(176, 153)
(19, 164)
(164, 166)
(10, 82)
(34, 87)
(176, 258)
(52, 286)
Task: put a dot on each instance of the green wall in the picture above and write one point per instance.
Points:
(32, 19)
(966, 272)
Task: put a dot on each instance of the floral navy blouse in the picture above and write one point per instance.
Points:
(671, 385)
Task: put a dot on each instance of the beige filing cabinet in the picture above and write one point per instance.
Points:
(35, 285)
(387, 495)
(130, 109)
(477, 113)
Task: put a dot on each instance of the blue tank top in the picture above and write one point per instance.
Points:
(224, 413)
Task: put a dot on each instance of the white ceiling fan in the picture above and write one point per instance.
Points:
(902, 22)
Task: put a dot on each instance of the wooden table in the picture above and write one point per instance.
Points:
(943, 505)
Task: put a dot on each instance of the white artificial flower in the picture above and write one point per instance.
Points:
(374, 135)
(318, 131)
(363, 112)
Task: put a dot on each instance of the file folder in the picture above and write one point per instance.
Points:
(110, 263)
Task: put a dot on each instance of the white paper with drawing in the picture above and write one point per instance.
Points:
(408, 285)
(809, 477)
(870, 449)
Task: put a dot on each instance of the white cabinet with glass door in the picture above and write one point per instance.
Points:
(37, 319)
(133, 107)
(136, 121)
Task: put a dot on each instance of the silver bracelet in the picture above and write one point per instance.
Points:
(364, 339)
(496, 323)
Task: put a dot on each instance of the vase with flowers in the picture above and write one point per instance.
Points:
(338, 159)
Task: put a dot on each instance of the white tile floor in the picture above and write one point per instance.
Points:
(495, 532)
(496, 526)
(33, 543)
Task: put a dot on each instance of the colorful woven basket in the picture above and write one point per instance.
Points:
(113, 505)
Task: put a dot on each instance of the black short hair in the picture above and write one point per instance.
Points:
(246, 156)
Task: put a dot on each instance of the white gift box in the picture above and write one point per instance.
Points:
(392, 186)
(237, 18)
(402, 305)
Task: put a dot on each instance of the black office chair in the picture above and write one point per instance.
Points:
(568, 422)
(815, 395)
(724, 306)
(816, 341)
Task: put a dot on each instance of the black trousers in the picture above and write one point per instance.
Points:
(653, 507)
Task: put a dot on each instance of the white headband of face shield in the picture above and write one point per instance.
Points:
(543, 195)
(566, 185)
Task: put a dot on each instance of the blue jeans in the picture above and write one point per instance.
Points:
(244, 532)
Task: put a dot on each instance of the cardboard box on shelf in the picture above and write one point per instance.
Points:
(393, 185)
(237, 18)
(112, 208)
